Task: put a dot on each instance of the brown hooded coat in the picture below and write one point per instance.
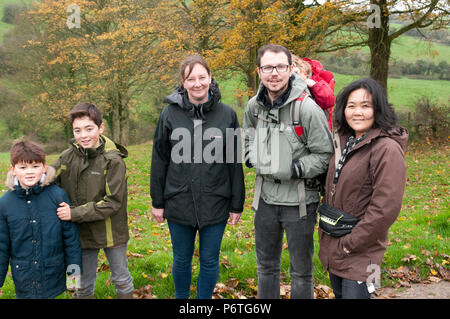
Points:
(370, 187)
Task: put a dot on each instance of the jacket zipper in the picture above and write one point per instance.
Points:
(333, 186)
(195, 203)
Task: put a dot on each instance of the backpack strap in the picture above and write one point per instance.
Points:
(296, 106)
(337, 148)
(295, 118)
(296, 122)
(257, 192)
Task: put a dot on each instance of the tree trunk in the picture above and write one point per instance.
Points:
(380, 46)
(251, 83)
(123, 123)
(252, 77)
(109, 119)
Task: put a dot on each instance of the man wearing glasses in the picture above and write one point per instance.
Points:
(288, 147)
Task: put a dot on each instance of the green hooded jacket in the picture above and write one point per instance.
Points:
(313, 155)
(96, 182)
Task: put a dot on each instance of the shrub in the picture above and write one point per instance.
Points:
(11, 11)
(430, 119)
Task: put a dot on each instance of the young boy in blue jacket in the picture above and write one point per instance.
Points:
(37, 244)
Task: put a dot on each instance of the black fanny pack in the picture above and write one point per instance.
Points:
(335, 222)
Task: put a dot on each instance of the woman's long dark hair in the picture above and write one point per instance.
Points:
(385, 117)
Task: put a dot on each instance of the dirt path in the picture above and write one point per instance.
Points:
(439, 290)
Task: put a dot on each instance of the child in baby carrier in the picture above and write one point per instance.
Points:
(320, 82)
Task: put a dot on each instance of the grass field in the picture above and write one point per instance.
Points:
(411, 49)
(402, 92)
(421, 229)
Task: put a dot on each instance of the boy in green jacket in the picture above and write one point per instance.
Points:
(93, 174)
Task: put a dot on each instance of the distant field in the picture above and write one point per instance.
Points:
(403, 92)
(411, 49)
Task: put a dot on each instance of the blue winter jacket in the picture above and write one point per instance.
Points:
(39, 245)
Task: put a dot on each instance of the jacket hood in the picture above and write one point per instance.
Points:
(316, 66)
(180, 97)
(110, 145)
(106, 145)
(296, 86)
(50, 176)
(398, 134)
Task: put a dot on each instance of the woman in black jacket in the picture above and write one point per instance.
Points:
(197, 182)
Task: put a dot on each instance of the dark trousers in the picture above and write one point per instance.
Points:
(348, 289)
(271, 221)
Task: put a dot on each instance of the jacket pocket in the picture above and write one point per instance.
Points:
(22, 276)
(176, 181)
(21, 235)
(54, 270)
(271, 152)
(54, 275)
(216, 180)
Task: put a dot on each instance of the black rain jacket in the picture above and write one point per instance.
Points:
(192, 189)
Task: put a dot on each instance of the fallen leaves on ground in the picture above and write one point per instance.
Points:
(230, 290)
(323, 292)
(144, 293)
(103, 267)
(405, 275)
(135, 255)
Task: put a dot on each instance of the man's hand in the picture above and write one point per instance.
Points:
(158, 214)
(63, 212)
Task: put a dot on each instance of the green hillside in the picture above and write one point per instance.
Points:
(403, 92)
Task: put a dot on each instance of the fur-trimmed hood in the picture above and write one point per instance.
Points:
(50, 176)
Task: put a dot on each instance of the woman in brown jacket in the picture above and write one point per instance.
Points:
(368, 184)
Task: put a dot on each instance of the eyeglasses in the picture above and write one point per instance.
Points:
(281, 68)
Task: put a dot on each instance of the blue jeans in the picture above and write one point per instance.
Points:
(183, 244)
(271, 221)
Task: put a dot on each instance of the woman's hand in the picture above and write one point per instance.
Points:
(158, 214)
(234, 218)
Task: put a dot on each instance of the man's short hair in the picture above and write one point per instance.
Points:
(273, 48)
(86, 109)
(27, 152)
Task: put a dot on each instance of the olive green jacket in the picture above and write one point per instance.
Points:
(96, 182)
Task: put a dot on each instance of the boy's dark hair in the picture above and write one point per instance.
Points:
(27, 152)
(273, 48)
(189, 63)
(86, 109)
(384, 114)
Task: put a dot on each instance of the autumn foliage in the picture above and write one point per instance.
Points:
(122, 48)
